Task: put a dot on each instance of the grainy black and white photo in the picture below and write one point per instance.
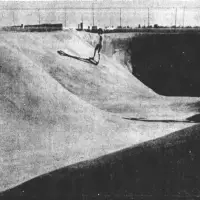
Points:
(99, 99)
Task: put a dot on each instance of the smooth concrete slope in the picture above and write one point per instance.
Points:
(183, 106)
(108, 86)
(43, 125)
(166, 168)
(176, 108)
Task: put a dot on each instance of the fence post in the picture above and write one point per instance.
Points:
(183, 16)
(38, 15)
(13, 15)
(175, 17)
(120, 17)
(93, 13)
(65, 18)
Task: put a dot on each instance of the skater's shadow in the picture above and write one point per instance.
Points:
(195, 119)
(87, 60)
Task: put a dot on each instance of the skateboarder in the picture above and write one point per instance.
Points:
(99, 45)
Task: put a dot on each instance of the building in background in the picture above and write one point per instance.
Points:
(94, 28)
(80, 26)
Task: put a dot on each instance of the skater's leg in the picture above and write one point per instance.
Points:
(99, 50)
(95, 50)
(94, 53)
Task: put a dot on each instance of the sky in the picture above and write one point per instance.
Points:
(70, 13)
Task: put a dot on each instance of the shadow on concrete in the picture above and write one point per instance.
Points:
(166, 168)
(195, 118)
(87, 60)
(188, 120)
(170, 64)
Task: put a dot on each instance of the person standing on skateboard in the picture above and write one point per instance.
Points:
(99, 45)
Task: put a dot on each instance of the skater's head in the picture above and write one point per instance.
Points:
(100, 31)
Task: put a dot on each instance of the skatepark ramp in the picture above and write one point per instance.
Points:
(146, 170)
(56, 110)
